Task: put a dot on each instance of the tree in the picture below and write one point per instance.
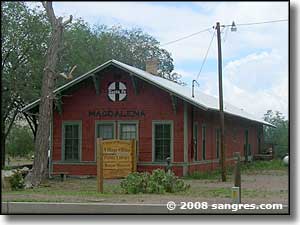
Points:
(279, 135)
(20, 141)
(46, 101)
(24, 36)
(89, 47)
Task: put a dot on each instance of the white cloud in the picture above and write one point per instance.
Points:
(258, 82)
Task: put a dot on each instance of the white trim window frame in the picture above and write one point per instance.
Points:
(106, 122)
(71, 140)
(218, 142)
(155, 123)
(203, 142)
(128, 122)
(195, 141)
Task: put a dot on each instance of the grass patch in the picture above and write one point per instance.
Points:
(207, 175)
(252, 167)
(257, 166)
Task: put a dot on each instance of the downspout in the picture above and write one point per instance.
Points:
(192, 134)
(50, 147)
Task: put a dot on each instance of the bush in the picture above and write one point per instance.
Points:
(135, 183)
(158, 182)
(17, 181)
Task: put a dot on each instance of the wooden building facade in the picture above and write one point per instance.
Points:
(118, 101)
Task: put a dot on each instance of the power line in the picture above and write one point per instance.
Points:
(256, 23)
(185, 37)
(227, 25)
(206, 54)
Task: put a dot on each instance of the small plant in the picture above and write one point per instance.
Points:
(17, 181)
(7, 167)
(135, 183)
(158, 182)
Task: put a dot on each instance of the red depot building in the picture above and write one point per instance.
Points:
(118, 101)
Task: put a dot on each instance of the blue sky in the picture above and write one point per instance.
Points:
(255, 58)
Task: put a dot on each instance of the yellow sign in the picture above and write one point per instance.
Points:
(115, 159)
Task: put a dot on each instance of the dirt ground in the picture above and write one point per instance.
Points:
(270, 186)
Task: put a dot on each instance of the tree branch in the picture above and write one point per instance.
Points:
(10, 124)
(50, 12)
(70, 75)
(68, 21)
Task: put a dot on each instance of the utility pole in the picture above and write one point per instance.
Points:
(193, 87)
(223, 163)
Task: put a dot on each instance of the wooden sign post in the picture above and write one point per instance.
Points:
(115, 159)
(133, 147)
(99, 165)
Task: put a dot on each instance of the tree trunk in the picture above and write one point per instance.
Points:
(2, 147)
(39, 171)
(5, 134)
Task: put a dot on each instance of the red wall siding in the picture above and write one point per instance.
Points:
(156, 105)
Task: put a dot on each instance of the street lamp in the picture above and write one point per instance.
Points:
(233, 27)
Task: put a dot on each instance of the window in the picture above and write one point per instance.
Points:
(128, 131)
(218, 142)
(105, 130)
(195, 134)
(234, 134)
(71, 141)
(162, 140)
(203, 142)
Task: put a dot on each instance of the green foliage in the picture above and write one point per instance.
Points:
(20, 141)
(158, 182)
(89, 47)
(7, 168)
(252, 167)
(208, 175)
(279, 135)
(275, 164)
(135, 183)
(25, 37)
(17, 181)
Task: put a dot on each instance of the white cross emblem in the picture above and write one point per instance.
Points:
(117, 91)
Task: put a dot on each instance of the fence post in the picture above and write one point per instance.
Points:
(99, 165)
(237, 174)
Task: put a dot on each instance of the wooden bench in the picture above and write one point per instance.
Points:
(63, 175)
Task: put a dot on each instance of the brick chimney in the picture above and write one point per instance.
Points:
(152, 66)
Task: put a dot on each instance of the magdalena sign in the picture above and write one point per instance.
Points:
(117, 113)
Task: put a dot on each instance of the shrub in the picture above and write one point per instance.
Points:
(135, 183)
(158, 182)
(17, 181)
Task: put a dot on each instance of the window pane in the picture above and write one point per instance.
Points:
(128, 131)
(167, 131)
(68, 131)
(158, 130)
(162, 142)
(218, 143)
(195, 141)
(71, 141)
(203, 142)
(75, 131)
(106, 131)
